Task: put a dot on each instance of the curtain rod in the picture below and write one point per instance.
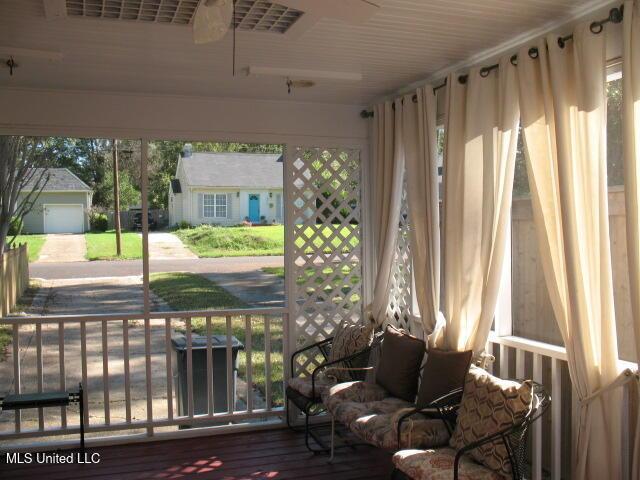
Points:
(615, 16)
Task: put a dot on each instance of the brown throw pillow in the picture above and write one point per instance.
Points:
(490, 404)
(400, 361)
(349, 339)
(443, 372)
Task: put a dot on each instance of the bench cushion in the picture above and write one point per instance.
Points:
(438, 465)
(418, 431)
(303, 386)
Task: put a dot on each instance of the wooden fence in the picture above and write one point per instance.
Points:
(531, 307)
(14, 277)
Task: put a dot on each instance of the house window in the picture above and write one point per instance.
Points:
(214, 206)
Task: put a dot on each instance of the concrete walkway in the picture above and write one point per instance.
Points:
(63, 247)
(165, 246)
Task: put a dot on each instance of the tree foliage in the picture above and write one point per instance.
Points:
(21, 172)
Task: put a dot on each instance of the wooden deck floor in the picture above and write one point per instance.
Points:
(273, 455)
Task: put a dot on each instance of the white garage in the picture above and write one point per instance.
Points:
(63, 218)
(61, 207)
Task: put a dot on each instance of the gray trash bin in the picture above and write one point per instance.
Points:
(199, 359)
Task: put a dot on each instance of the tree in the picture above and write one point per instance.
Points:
(23, 163)
(129, 194)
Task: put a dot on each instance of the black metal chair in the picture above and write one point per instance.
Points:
(310, 405)
(514, 437)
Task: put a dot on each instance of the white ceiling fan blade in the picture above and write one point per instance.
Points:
(212, 20)
(351, 11)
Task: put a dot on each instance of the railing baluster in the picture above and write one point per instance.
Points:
(504, 361)
(127, 370)
(249, 361)
(520, 365)
(85, 385)
(189, 369)
(169, 366)
(231, 385)
(63, 375)
(39, 371)
(536, 460)
(209, 369)
(147, 354)
(16, 371)
(556, 419)
(267, 361)
(105, 373)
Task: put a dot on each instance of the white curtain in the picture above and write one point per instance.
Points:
(562, 98)
(421, 163)
(387, 172)
(631, 145)
(480, 149)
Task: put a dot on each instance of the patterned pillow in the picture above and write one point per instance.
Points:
(490, 404)
(349, 338)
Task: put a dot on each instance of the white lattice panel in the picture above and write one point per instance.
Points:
(325, 186)
(399, 310)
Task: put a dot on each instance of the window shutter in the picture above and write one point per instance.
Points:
(200, 205)
(229, 204)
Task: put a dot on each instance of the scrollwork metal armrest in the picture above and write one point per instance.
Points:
(439, 408)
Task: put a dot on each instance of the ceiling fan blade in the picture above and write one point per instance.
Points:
(351, 11)
(212, 20)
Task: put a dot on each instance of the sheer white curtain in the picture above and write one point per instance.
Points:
(562, 98)
(479, 161)
(631, 145)
(421, 163)
(387, 172)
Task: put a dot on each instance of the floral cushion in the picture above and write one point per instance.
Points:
(418, 431)
(361, 392)
(438, 465)
(349, 339)
(489, 405)
(303, 385)
(349, 401)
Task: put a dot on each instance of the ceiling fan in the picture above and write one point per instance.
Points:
(213, 18)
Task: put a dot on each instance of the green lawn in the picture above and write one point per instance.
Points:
(208, 241)
(278, 271)
(188, 291)
(34, 244)
(102, 246)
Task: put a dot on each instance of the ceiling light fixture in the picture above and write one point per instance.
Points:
(308, 74)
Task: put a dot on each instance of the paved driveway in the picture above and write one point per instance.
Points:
(165, 245)
(63, 247)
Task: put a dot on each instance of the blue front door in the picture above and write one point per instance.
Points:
(254, 208)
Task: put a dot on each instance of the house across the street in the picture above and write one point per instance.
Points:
(61, 207)
(226, 189)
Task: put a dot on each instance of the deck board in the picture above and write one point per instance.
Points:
(272, 455)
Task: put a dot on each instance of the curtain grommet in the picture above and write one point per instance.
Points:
(596, 27)
(533, 52)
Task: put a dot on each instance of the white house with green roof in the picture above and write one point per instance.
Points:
(226, 189)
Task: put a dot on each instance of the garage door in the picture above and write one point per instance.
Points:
(63, 219)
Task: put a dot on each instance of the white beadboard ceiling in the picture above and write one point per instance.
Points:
(405, 41)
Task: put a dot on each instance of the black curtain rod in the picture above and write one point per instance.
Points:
(615, 16)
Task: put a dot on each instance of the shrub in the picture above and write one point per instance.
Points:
(15, 227)
(183, 225)
(99, 222)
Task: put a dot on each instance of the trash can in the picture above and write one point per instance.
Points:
(199, 367)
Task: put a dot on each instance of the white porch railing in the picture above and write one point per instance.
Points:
(550, 442)
(127, 365)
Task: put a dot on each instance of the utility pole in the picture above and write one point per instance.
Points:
(116, 198)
